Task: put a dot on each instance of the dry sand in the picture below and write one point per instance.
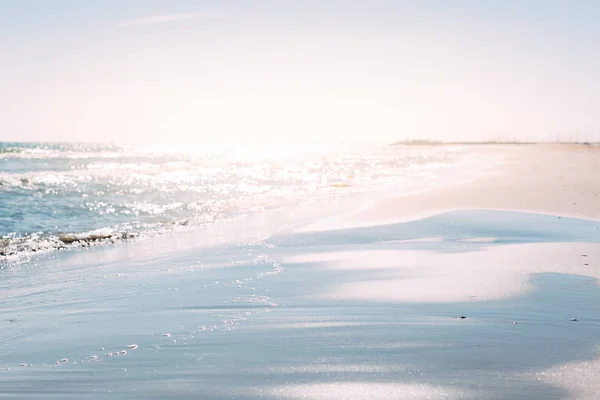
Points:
(558, 179)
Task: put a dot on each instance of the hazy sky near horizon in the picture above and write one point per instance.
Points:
(131, 70)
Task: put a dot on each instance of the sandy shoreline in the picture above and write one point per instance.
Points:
(550, 180)
(369, 312)
(545, 178)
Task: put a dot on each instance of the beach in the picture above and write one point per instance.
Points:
(556, 179)
(551, 179)
(475, 284)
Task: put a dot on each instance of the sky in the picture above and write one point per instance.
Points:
(339, 70)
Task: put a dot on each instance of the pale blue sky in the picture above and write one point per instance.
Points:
(133, 70)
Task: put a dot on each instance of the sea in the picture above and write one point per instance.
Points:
(190, 271)
(59, 195)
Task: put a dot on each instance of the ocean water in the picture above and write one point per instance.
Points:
(57, 195)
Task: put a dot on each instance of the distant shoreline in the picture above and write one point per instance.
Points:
(492, 142)
(551, 178)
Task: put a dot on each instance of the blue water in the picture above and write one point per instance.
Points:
(237, 321)
(54, 195)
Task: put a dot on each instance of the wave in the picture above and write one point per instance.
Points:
(58, 150)
(22, 248)
(11, 150)
(34, 243)
(60, 147)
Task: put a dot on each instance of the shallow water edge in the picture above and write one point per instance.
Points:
(311, 315)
